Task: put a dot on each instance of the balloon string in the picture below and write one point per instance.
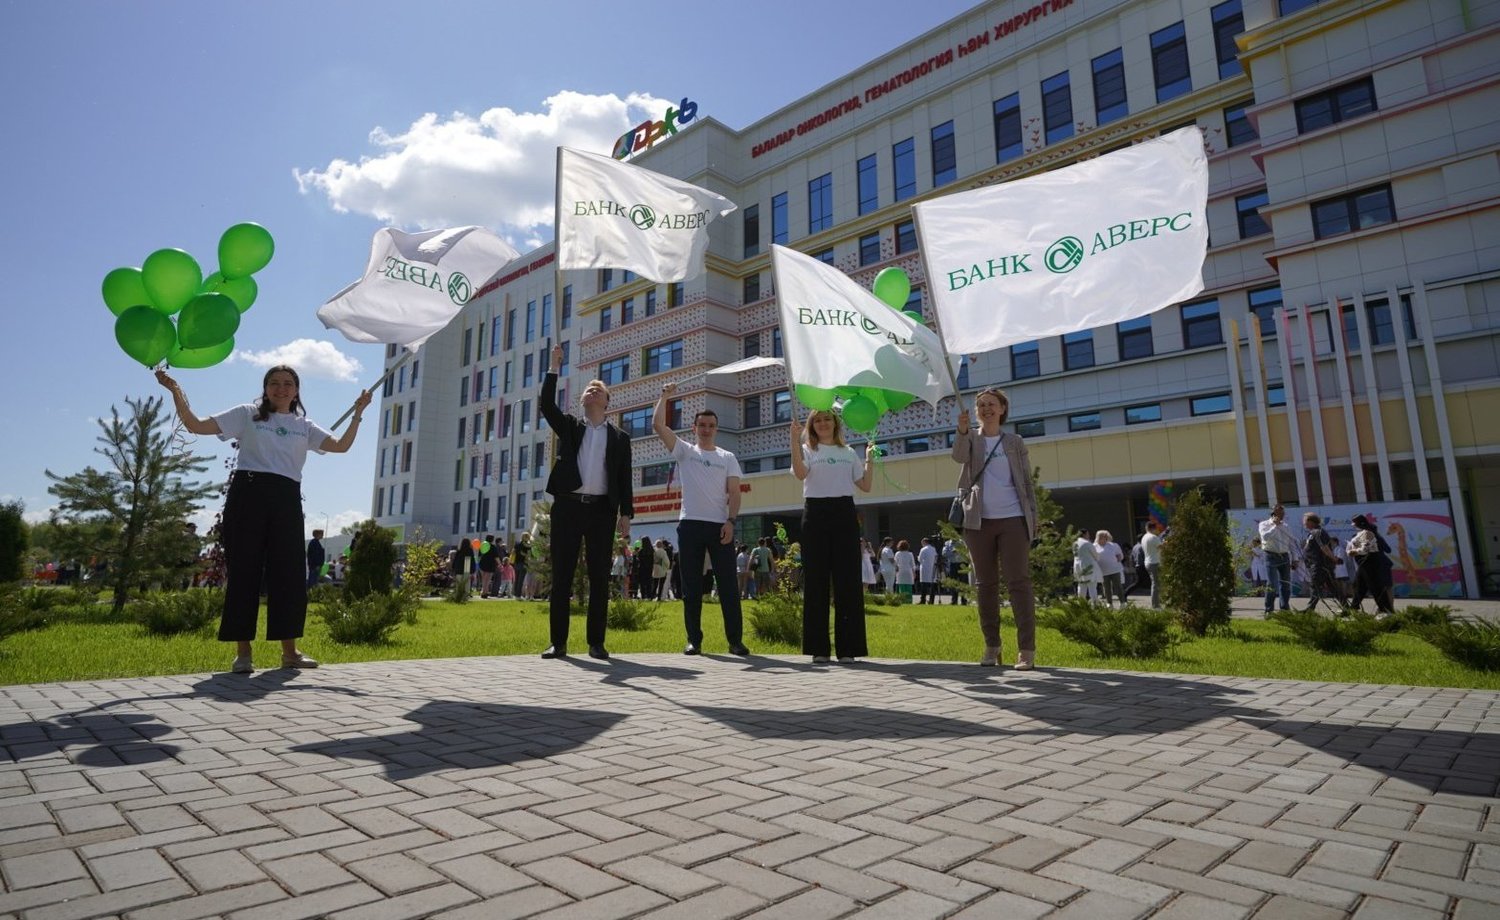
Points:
(885, 474)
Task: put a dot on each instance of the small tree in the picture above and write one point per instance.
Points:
(1197, 568)
(13, 540)
(371, 558)
(141, 501)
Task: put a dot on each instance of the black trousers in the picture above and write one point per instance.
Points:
(697, 539)
(575, 525)
(830, 555)
(262, 538)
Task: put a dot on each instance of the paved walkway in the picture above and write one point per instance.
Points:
(670, 787)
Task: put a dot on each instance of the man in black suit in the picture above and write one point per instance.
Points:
(592, 494)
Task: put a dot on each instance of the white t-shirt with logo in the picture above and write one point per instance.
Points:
(705, 476)
(832, 471)
(277, 445)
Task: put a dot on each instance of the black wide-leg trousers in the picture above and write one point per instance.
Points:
(263, 545)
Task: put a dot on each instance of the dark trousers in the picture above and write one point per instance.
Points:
(1279, 573)
(590, 526)
(695, 539)
(1371, 579)
(830, 555)
(262, 538)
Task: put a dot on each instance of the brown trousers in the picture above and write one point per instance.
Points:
(1001, 548)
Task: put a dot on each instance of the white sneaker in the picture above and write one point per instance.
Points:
(991, 657)
(242, 665)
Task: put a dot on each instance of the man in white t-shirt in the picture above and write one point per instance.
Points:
(710, 481)
(1151, 553)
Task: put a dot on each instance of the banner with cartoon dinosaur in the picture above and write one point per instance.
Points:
(1424, 551)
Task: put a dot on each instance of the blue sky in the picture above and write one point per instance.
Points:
(136, 126)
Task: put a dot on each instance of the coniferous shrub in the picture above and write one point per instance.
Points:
(632, 614)
(1131, 632)
(372, 558)
(1415, 617)
(1197, 567)
(169, 613)
(1473, 644)
(370, 619)
(1354, 634)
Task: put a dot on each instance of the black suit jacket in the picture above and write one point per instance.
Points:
(565, 476)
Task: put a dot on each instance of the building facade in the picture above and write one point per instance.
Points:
(1344, 350)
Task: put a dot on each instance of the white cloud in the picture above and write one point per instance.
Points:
(496, 170)
(313, 520)
(310, 357)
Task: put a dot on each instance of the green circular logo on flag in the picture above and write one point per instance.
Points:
(642, 216)
(458, 288)
(1064, 255)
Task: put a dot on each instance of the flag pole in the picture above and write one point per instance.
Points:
(405, 356)
(936, 320)
(786, 360)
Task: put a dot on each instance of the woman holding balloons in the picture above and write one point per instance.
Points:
(829, 470)
(262, 529)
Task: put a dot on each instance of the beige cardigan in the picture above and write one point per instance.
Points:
(968, 449)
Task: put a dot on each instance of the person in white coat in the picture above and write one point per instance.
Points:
(927, 572)
(1085, 567)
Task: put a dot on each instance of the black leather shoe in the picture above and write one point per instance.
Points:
(691, 649)
(738, 649)
(555, 651)
(598, 651)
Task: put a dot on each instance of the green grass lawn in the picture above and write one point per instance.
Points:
(94, 651)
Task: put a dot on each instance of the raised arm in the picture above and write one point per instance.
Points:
(342, 444)
(868, 479)
(799, 462)
(659, 417)
(179, 401)
(546, 404)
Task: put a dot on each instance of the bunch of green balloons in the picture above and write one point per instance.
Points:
(865, 398)
(170, 283)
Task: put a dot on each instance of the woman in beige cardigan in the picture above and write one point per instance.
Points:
(1000, 521)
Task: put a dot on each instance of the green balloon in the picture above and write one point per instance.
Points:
(200, 357)
(123, 289)
(892, 287)
(860, 414)
(484, 547)
(242, 291)
(896, 401)
(815, 398)
(208, 319)
(876, 396)
(146, 335)
(171, 278)
(847, 391)
(914, 316)
(245, 249)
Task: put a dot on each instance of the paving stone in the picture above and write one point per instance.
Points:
(571, 877)
(123, 870)
(219, 870)
(42, 869)
(858, 885)
(816, 904)
(213, 904)
(307, 872)
(751, 878)
(1284, 907)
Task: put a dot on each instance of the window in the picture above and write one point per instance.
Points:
(1083, 421)
(944, 156)
(1210, 405)
(1078, 350)
(674, 295)
(657, 474)
(1135, 338)
(615, 370)
(824, 255)
(751, 292)
(1139, 415)
(1264, 302)
(636, 422)
(820, 204)
(752, 230)
(1057, 107)
(525, 415)
(546, 316)
(674, 414)
(1247, 211)
(527, 367)
(1378, 318)
(869, 248)
(1276, 396)
(869, 185)
(502, 503)
(1109, 87)
(906, 237)
(913, 302)
(751, 346)
(539, 461)
(627, 311)
(776, 342)
(456, 507)
(1288, 7)
(606, 319)
(468, 346)
(463, 390)
(502, 474)
(415, 364)
(1368, 207)
(1229, 21)
(1335, 105)
(750, 466)
(567, 307)
(1008, 143)
(781, 462)
(1237, 127)
(778, 220)
(492, 384)
(781, 411)
(520, 522)
(1034, 428)
(1025, 361)
(750, 411)
(510, 376)
(1200, 324)
(916, 445)
(664, 357)
(463, 428)
(904, 168)
(530, 321)
(606, 279)
(1169, 62)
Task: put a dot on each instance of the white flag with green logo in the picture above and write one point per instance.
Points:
(1099, 242)
(836, 333)
(615, 215)
(415, 284)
